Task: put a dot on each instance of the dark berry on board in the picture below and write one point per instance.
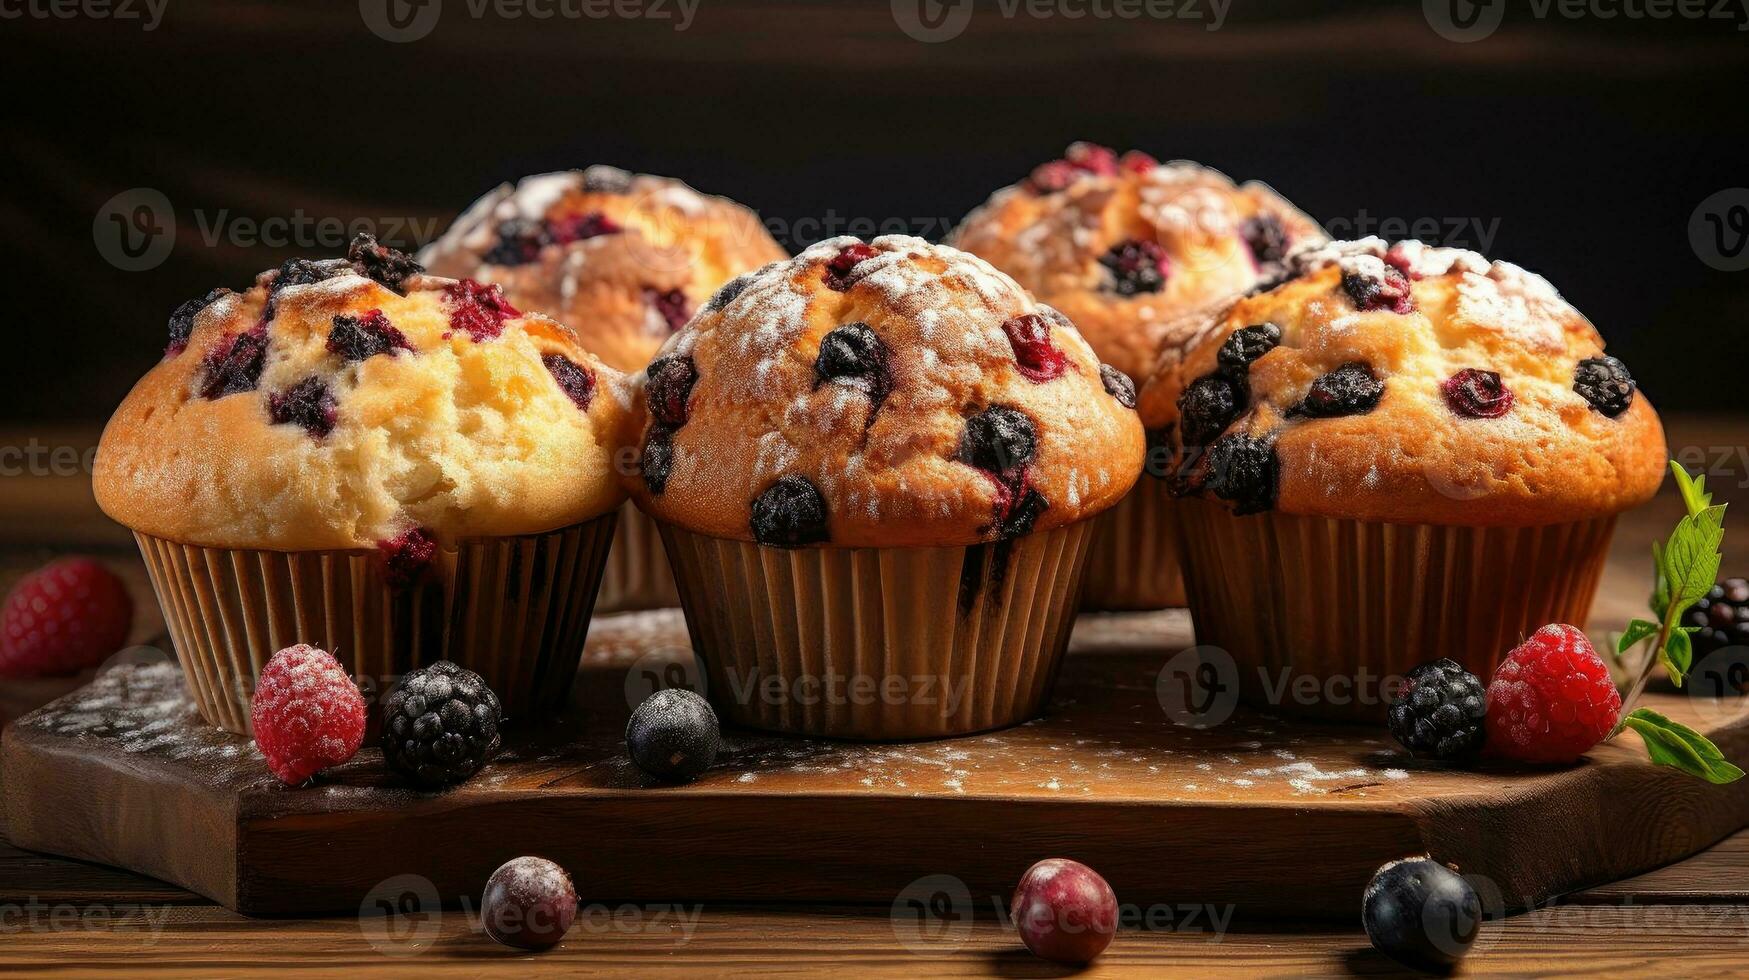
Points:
(999, 440)
(529, 903)
(1064, 911)
(1352, 389)
(674, 735)
(1421, 914)
(1477, 394)
(440, 725)
(1721, 622)
(789, 514)
(1606, 384)
(1440, 711)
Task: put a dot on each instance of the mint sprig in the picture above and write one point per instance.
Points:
(1684, 570)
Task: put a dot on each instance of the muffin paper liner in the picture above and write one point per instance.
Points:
(880, 644)
(513, 609)
(1135, 560)
(637, 576)
(1287, 596)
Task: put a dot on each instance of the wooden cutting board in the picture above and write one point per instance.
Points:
(1268, 817)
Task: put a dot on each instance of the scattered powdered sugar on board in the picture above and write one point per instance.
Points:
(143, 709)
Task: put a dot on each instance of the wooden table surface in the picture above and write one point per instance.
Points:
(68, 918)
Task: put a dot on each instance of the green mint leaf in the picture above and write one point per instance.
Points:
(1669, 743)
(1660, 583)
(1693, 491)
(1638, 631)
(1677, 656)
(1691, 557)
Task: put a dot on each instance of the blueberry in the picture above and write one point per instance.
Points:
(1421, 914)
(1118, 385)
(1136, 266)
(386, 266)
(1387, 291)
(235, 364)
(1606, 384)
(1246, 472)
(308, 403)
(674, 735)
(519, 243)
(182, 321)
(576, 381)
(1352, 389)
(854, 353)
(726, 295)
(1020, 512)
(1207, 407)
(1246, 345)
(299, 272)
(999, 440)
(1265, 236)
(361, 337)
(789, 514)
(658, 458)
(668, 387)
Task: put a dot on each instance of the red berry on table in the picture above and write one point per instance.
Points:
(1064, 911)
(1551, 699)
(63, 618)
(529, 902)
(308, 713)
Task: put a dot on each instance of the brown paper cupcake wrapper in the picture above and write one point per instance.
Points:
(1288, 596)
(513, 609)
(880, 644)
(1135, 563)
(637, 576)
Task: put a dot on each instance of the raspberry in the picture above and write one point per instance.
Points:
(308, 713)
(478, 310)
(1137, 162)
(1477, 394)
(63, 618)
(671, 305)
(440, 725)
(1092, 158)
(408, 557)
(1030, 336)
(1387, 290)
(1551, 699)
(1051, 177)
(1439, 711)
(840, 273)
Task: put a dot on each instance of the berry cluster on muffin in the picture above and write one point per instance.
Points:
(1127, 246)
(359, 402)
(883, 394)
(1405, 383)
(624, 259)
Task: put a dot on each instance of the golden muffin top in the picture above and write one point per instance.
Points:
(1404, 384)
(1128, 247)
(623, 259)
(884, 394)
(343, 403)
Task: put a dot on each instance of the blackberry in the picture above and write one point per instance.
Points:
(1118, 385)
(674, 735)
(1207, 407)
(1606, 384)
(999, 440)
(854, 353)
(1137, 265)
(387, 267)
(1439, 711)
(234, 365)
(308, 403)
(1477, 394)
(182, 321)
(789, 514)
(440, 725)
(667, 387)
(1247, 345)
(364, 336)
(1352, 389)
(1245, 472)
(575, 380)
(1721, 618)
(1266, 237)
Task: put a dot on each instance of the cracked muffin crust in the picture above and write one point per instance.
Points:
(1127, 247)
(883, 394)
(361, 403)
(1404, 384)
(622, 258)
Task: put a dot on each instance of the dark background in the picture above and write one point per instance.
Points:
(1582, 146)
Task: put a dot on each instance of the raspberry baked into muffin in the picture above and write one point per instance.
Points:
(874, 467)
(1400, 454)
(624, 260)
(1130, 250)
(359, 456)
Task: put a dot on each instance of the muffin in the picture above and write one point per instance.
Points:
(1398, 454)
(1132, 250)
(874, 466)
(390, 465)
(623, 260)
